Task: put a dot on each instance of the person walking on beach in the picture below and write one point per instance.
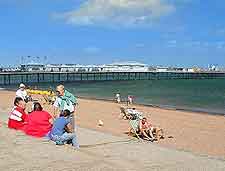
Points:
(65, 101)
(62, 131)
(129, 100)
(18, 117)
(118, 100)
(21, 92)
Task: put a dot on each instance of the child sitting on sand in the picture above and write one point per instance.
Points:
(62, 131)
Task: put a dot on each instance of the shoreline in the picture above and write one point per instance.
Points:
(189, 107)
(157, 106)
(173, 108)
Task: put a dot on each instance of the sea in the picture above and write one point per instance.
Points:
(207, 96)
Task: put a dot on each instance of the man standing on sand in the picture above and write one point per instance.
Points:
(65, 101)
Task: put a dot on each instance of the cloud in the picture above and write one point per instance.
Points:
(118, 13)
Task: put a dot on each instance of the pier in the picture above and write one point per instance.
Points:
(12, 78)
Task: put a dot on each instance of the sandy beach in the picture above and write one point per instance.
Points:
(195, 132)
(197, 143)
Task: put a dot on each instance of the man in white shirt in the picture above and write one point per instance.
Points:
(69, 106)
(21, 92)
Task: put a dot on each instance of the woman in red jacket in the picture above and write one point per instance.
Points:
(18, 117)
(39, 122)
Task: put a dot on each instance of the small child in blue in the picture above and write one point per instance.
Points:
(62, 131)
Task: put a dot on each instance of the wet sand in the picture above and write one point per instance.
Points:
(195, 132)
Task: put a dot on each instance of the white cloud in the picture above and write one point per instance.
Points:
(118, 13)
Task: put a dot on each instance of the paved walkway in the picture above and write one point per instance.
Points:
(99, 151)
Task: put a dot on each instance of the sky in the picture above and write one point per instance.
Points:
(155, 32)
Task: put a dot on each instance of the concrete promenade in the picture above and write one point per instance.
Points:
(99, 151)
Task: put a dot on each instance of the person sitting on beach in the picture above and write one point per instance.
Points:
(62, 131)
(148, 131)
(39, 122)
(133, 113)
(18, 117)
(21, 92)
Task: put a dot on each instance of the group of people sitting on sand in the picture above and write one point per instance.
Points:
(141, 126)
(59, 127)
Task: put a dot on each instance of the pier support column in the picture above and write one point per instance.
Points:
(9, 79)
(43, 77)
(67, 77)
(27, 78)
(38, 77)
(59, 77)
(4, 80)
(106, 76)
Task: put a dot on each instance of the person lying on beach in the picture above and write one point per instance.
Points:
(18, 117)
(39, 122)
(62, 131)
(148, 131)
